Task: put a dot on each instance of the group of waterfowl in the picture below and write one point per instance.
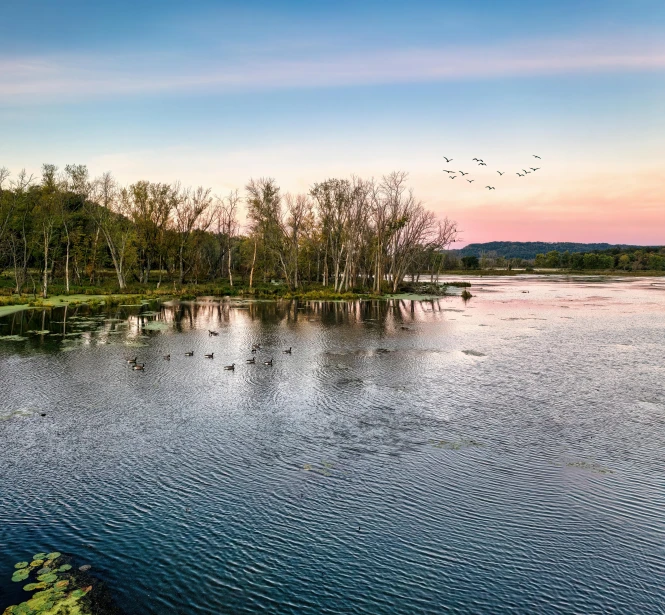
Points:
(480, 162)
(211, 355)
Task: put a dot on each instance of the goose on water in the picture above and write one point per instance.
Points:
(288, 350)
(269, 362)
(131, 360)
(230, 367)
(212, 332)
(209, 356)
(167, 357)
(251, 361)
(189, 354)
(139, 366)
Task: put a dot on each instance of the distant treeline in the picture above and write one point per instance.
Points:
(343, 234)
(529, 249)
(619, 259)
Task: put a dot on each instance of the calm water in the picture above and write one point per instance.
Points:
(507, 455)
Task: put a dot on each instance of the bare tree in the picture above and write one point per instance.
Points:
(226, 215)
(192, 211)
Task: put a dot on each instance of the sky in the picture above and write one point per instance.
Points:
(214, 93)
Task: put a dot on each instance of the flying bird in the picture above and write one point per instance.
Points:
(525, 171)
(482, 164)
(534, 169)
(471, 180)
(452, 176)
(500, 173)
(446, 171)
(521, 174)
(490, 187)
(462, 173)
(536, 157)
(447, 159)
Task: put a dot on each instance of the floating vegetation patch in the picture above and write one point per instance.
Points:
(590, 466)
(62, 592)
(324, 468)
(454, 445)
(474, 353)
(155, 326)
(13, 338)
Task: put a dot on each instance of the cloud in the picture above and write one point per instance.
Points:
(67, 77)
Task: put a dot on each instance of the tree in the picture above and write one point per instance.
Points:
(470, 262)
(191, 208)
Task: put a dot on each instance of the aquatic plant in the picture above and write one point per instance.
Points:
(51, 595)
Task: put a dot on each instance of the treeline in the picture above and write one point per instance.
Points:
(630, 259)
(528, 250)
(344, 234)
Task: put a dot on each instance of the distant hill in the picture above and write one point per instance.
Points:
(529, 249)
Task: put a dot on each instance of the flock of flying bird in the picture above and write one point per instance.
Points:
(481, 163)
(252, 361)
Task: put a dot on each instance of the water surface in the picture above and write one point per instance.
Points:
(503, 455)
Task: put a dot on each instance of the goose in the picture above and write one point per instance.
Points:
(230, 367)
(269, 362)
(482, 164)
(525, 171)
(490, 187)
(462, 173)
(209, 356)
(536, 156)
(536, 169)
(139, 366)
(212, 332)
(189, 354)
(452, 176)
(521, 174)
(288, 350)
(251, 361)
(471, 180)
(167, 357)
(256, 346)
(131, 360)
(500, 173)
(447, 171)
(447, 159)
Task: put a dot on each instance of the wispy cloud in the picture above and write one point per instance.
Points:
(67, 77)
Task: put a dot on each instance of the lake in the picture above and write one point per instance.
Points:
(506, 454)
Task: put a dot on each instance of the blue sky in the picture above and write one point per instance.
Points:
(217, 92)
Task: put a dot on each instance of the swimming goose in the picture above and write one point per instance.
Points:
(230, 367)
(209, 356)
(131, 360)
(251, 361)
(256, 346)
(139, 366)
(167, 357)
(268, 362)
(189, 354)
(212, 332)
(288, 350)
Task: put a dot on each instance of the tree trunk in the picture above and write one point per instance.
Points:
(67, 267)
(45, 278)
(251, 272)
(230, 272)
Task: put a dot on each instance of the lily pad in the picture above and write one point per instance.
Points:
(54, 555)
(39, 556)
(20, 575)
(33, 586)
(44, 570)
(21, 565)
(61, 584)
(64, 568)
(51, 577)
(36, 562)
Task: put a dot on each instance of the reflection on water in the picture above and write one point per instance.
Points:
(407, 457)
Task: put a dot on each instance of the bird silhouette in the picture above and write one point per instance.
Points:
(534, 169)
(475, 159)
(446, 171)
(447, 159)
(212, 332)
(167, 357)
(482, 164)
(189, 354)
(525, 171)
(452, 176)
(269, 362)
(230, 367)
(536, 157)
(462, 173)
(471, 180)
(251, 361)
(490, 187)
(500, 173)
(210, 356)
(521, 174)
(288, 350)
